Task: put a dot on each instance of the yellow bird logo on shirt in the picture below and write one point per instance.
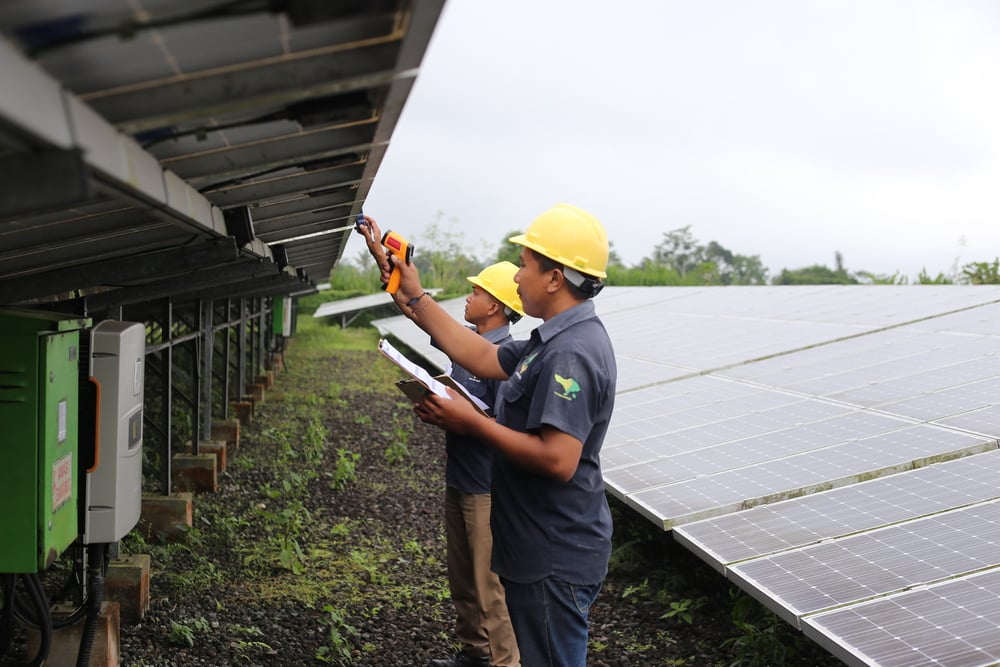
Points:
(570, 387)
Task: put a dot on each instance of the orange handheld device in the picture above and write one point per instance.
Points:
(402, 250)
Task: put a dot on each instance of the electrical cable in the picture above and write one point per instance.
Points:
(24, 614)
(96, 556)
(7, 583)
(57, 623)
(33, 584)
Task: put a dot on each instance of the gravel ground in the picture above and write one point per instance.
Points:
(300, 559)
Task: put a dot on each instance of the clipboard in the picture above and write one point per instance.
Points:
(420, 383)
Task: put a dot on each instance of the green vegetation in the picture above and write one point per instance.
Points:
(338, 650)
(398, 435)
(678, 259)
(182, 634)
(325, 564)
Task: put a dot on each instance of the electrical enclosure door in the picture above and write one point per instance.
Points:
(114, 486)
(281, 316)
(39, 370)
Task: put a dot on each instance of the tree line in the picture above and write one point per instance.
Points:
(679, 259)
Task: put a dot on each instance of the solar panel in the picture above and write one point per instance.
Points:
(984, 420)
(634, 373)
(769, 529)
(947, 402)
(877, 562)
(951, 624)
(915, 384)
(816, 470)
(354, 304)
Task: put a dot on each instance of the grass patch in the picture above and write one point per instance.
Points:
(314, 335)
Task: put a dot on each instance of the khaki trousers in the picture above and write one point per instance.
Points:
(482, 622)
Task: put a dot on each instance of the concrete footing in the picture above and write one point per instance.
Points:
(166, 517)
(243, 409)
(228, 431)
(65, 647)
(216, 448)
(276, 361)
(256, 392)
(195, 472)
(127, 583)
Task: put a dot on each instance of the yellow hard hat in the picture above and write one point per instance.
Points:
(571, 236)
(498, 280)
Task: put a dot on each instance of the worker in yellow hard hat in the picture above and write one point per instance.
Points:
(482, 622)
(551, 522)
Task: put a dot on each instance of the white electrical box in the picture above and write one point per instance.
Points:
(114, 484)
(286, 317)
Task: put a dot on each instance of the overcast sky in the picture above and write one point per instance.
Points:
(788, 129)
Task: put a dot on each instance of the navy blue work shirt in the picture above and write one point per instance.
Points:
(563, 376)
(469, 460)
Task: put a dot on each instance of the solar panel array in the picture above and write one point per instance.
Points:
(833, 450)
(349, 309)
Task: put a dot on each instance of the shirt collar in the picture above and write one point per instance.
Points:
(555, 325)
(498, 334)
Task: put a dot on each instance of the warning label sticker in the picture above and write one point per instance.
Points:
(62, 481)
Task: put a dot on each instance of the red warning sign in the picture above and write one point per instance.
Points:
(62, 481)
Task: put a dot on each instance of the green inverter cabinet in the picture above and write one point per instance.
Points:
(281, 316)
(39, 375)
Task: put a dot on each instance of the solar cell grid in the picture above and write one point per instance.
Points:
(830, 467)
(623, 434)
(693, 387)
(980, 320)
(729, 452)
(792, 412)
(628, 454)
(648, 475)
(877, 393)
(953, 624)
(878, 357)
(836, 357)
(721, 341)
(657, 419)
(936, 405)
(985, 420)
(664, 445)
(878, 562)
(634, 373)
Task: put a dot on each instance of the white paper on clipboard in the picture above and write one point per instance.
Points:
(435, 385)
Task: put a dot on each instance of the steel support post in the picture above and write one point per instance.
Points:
(242, 347)
(167, 395)
(208, 346)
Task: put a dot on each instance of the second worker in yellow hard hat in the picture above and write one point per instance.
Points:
(482, 623)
